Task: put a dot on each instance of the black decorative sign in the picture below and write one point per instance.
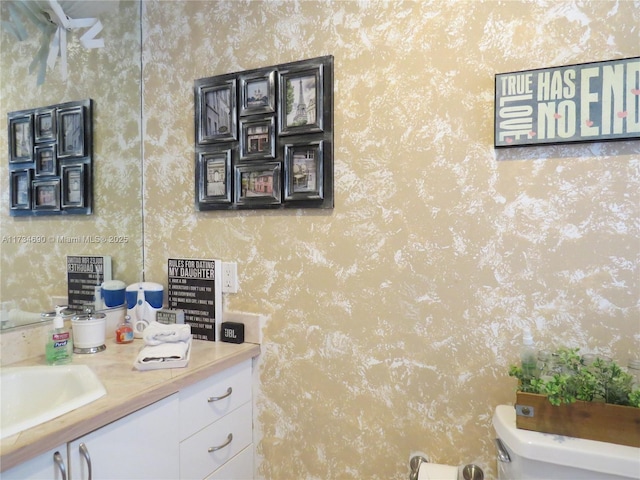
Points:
(194, 290)
(84, 274)
(588, 102)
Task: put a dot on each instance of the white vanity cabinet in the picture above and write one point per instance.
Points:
(51, 465)
(216, 426)
(203, 431)
(142, 445)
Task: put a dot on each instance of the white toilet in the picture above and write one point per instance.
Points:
(527, 455)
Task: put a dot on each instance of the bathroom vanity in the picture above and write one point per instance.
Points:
(192, 422)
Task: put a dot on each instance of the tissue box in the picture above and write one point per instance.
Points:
(232, 332)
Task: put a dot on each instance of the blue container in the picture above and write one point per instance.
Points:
(113, 293)
(153, 294)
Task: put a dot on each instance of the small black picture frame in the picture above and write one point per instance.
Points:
(71, 132)
(302, 100)
(46, 194)
(257, 138)
(304, 171)
(213, 179)
(257, 93)
(20, 138)
(20, 186)
(45, 125)
(258, 185)
(216, 117)
(46, 160)
(73, 185)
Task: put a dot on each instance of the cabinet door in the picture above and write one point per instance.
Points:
(142, 445)
(50, 465)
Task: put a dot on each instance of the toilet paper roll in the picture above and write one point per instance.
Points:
(435, 471)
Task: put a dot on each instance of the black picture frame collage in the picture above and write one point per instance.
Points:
(264, 137)
(51, 160)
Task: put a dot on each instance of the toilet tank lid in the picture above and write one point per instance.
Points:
(567, 451)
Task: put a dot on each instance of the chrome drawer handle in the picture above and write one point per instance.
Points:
(84, 451)
(215, 399)
(229, 438)
(57, 458)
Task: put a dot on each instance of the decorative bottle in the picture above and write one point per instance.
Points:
(124, 332)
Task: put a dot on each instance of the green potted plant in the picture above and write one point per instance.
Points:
(573, 379)
(579, 397)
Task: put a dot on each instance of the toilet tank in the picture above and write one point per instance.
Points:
(546, 456)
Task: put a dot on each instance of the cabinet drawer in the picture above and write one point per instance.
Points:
(198, 404)
(196, 459)
(239, 467)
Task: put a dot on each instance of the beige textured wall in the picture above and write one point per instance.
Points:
(31, 273)
(394, 317)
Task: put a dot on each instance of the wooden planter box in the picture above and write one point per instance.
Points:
(592, 420)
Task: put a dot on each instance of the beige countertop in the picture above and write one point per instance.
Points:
(128, 390)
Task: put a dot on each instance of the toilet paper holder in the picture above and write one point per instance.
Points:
(472, 472)
(469, 471)
(414, 464)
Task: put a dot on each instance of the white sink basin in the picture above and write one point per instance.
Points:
(30, 396)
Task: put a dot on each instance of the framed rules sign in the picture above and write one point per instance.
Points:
(589, 102)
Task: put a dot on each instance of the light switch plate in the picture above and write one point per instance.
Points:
(229, 277)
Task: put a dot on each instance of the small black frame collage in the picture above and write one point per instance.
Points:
(264, 137)
(50, 159)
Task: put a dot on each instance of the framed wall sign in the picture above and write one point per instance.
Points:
(257, 138)
(304, 172)
(45, 125)
(214, 176)
(589, 102)
(21, 137)
(73, 185)
(46, 194)
(264, 137)
(258, 184)
(216, 111)
(20, 187)
(50, 160)
(300, 110)
(257, 93)
(71, 135)
(46, 160)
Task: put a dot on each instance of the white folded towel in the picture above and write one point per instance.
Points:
(157, 333)
(165, 352)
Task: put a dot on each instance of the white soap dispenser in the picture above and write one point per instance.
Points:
(59, 347)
